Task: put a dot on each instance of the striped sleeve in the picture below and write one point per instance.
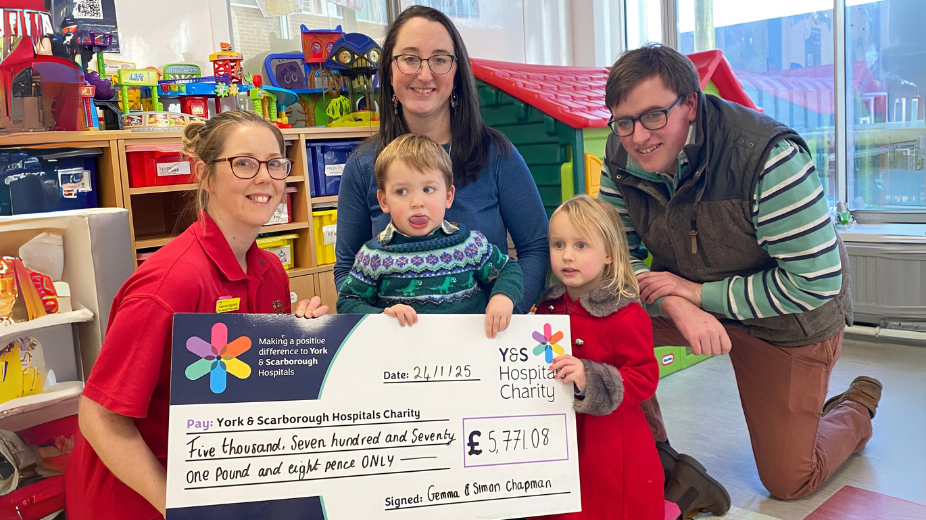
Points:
(610, 193)
(793, 225)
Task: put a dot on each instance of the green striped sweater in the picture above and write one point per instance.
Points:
(792, 224)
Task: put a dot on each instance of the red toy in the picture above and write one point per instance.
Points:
(227, 63)
(195, 105)
(37, 91)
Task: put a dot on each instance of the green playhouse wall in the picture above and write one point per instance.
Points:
(545, 143)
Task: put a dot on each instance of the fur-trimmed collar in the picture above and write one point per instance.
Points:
(600, 302)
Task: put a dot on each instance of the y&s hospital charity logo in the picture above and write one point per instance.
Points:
(548, 343)
(218, 358)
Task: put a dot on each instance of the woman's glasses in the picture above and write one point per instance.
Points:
(411, 64)
(245, 167)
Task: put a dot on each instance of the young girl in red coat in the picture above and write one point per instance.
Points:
(612, 362)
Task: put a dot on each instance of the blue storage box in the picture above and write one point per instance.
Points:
(37, 181)
(328, 160)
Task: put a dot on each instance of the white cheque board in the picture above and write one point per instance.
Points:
(349, 416)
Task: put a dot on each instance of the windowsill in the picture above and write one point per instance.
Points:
(885, 233)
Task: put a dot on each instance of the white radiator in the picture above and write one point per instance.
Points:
(888, 272)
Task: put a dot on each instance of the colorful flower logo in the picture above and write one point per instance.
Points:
(218, 358)
(548, 343)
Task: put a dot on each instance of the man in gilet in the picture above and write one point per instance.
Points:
(745, 262)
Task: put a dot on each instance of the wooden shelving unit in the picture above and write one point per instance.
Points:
(155, 211)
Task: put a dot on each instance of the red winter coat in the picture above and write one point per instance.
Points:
(619, 469)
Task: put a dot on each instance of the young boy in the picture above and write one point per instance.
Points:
(421, 262)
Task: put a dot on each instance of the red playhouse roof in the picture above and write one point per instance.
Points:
(575, 95)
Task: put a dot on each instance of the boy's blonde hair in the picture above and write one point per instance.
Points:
(595, 217)
(417, 151)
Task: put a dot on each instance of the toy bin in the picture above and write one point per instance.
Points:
(284, 212)
(37, 181)
(670, 360)
(328, 160)
(280, 245)
(325, 229)
(158, 165)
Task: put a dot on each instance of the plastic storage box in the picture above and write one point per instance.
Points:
(158, 165)
(37, 181)
(328, 160)
(280, 245)
(324, 226)
(284, 212)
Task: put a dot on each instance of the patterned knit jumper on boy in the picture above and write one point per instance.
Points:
(436, 274)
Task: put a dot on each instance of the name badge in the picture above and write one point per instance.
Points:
(227, 305)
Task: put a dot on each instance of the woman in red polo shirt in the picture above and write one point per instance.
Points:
(117, 469)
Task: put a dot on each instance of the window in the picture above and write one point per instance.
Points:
(782, 53)
(886, 134)
(644, 22)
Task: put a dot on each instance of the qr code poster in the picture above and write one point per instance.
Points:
(92, 9)
(98, 16)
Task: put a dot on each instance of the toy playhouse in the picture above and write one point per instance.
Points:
(37, 91)
(557, 119)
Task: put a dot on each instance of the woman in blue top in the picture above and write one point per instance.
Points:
(427, 87)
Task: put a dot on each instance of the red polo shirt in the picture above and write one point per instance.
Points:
(131, 376)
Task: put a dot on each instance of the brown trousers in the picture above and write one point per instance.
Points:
(782, 391)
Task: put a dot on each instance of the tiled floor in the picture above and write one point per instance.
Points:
(704, 418)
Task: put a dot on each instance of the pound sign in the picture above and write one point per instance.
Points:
(473, 443)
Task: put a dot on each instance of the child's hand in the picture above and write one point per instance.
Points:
(498, 314)
(404, 313)
(570, 370)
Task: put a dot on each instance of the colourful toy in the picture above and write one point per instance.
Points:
(356, 57)
(195, 106)
(318, 43)
(138, 78)
(271, 102)
(37, 91)
(227, 62)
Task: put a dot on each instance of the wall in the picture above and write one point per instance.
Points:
(171, 31)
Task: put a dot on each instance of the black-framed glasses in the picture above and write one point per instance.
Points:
(652, 120)
(245, 167)
(411, 64)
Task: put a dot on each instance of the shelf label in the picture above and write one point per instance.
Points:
(173, 168)
(334, 170)
(331, 234)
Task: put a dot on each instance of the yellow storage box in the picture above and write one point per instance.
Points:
(324, 225)
(280, 245)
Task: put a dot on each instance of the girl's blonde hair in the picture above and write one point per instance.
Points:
(593, 217)
(205, 140)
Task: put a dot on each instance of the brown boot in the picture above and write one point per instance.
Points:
(667, 457)
(864, 390)
(693, 489)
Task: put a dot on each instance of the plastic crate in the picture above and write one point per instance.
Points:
(280, 245)
(328, 160)
(158, 165)
(284, 212)
(324, 226)
(37, 181)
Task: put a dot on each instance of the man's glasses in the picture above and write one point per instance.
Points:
(652, 120)
(411, 64)
(245, 167)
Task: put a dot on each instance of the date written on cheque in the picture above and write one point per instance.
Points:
(430, 373)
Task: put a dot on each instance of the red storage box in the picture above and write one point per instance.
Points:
(158, 165)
